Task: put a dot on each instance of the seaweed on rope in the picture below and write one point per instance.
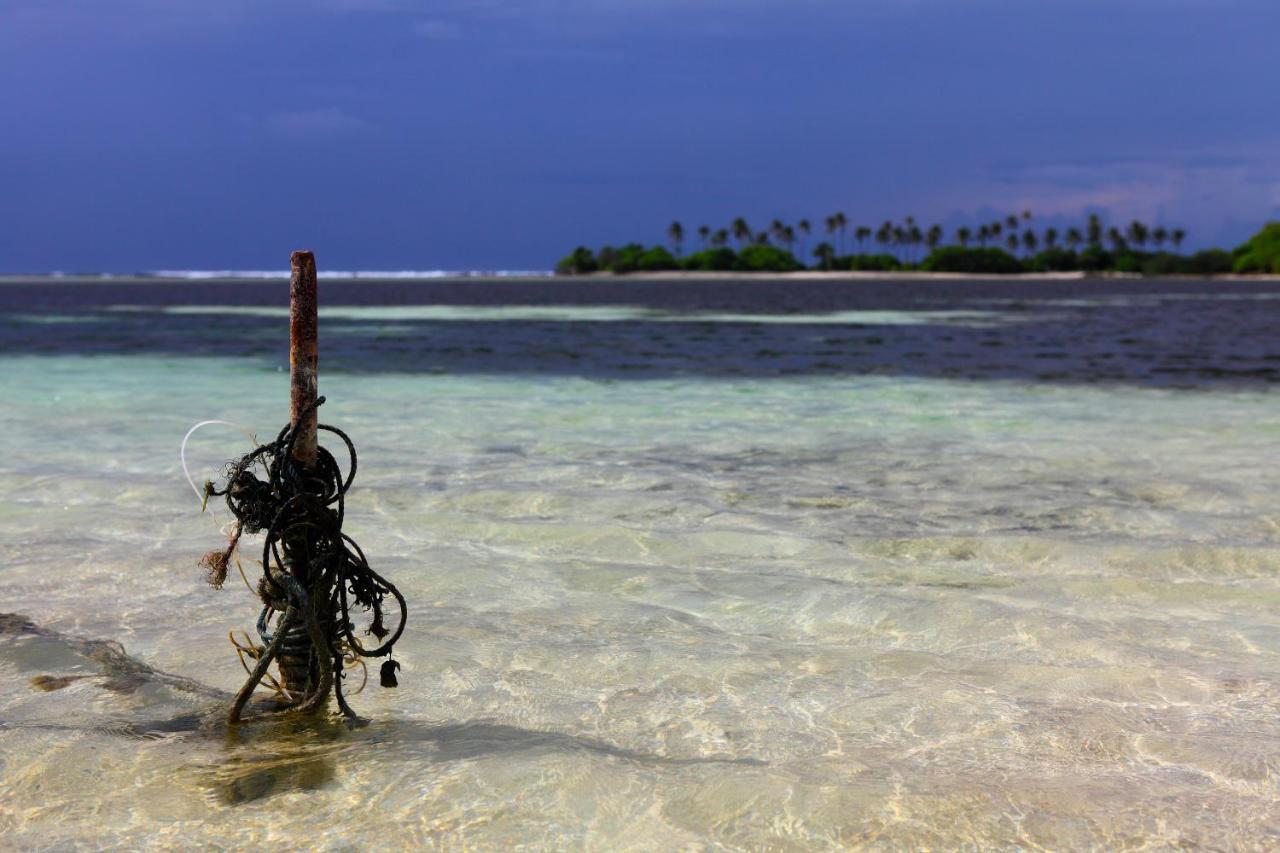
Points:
(315, 577)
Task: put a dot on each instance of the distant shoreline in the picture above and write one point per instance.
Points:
(606, 278)
(918, 275)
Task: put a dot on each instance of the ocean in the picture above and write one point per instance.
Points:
(715, 563)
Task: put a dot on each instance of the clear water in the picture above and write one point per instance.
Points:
(754, 589)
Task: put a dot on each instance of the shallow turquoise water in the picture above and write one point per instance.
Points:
(692, 608)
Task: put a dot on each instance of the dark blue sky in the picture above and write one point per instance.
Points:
(394, 134)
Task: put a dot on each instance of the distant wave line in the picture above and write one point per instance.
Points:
(284, 273)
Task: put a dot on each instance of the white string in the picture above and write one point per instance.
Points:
(182, 454)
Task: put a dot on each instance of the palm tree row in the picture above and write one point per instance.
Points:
(905, 239)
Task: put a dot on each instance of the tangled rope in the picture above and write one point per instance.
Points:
(313, 575)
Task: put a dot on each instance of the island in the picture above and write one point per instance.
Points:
(1009, 246)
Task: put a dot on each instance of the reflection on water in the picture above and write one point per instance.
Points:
(740, 598)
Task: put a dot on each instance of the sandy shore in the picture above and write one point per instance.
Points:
(915, 275)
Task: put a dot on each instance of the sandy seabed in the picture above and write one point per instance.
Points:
(708, 564)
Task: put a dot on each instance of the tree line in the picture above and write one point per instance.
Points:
(901, 238)
(906, 239)
(1003, 245)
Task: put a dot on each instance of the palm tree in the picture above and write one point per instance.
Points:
(1026, 216)
(1029, 241)
(1051, 238)
(720, 238)
(1074, 238)
(1011, 222)
(863, 233)
(1116, 239)
(1177, 235)
(1012, 242)
(825, 254)
(741, 230)
(841, 221)
(675, 231)
(1137, 234)
(762, 239)
(775, 228)
(832, 224)
(1159, 235)
(963, 234)
(984, 234)
(995, 230)
(914, 239)
(704, 231)
(805, 229)
(884, 235)
(1093, 231)
(788, 237)
(933, 237)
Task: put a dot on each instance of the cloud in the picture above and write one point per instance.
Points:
(437, 30)
(326, 121)
(1190, 188)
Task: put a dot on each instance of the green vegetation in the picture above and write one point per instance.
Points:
(720, 259)
(764, 258)
(960, 259)
(869, 263)
(578, 262)
(633, 257)
(1261, 254)
(1003, 246)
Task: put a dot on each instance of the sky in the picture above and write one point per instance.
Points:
(498, 134)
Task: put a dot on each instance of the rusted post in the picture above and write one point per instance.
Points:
(315, 577)
(297, 668)
(303, 353)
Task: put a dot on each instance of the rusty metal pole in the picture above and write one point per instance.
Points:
(296, 666)
(303, 353)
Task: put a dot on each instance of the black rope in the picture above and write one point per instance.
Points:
(314, 574)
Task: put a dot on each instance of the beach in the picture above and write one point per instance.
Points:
(756, 562)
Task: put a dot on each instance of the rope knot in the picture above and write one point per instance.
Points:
(314, 574)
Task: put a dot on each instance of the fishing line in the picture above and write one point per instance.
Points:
(314, 575)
